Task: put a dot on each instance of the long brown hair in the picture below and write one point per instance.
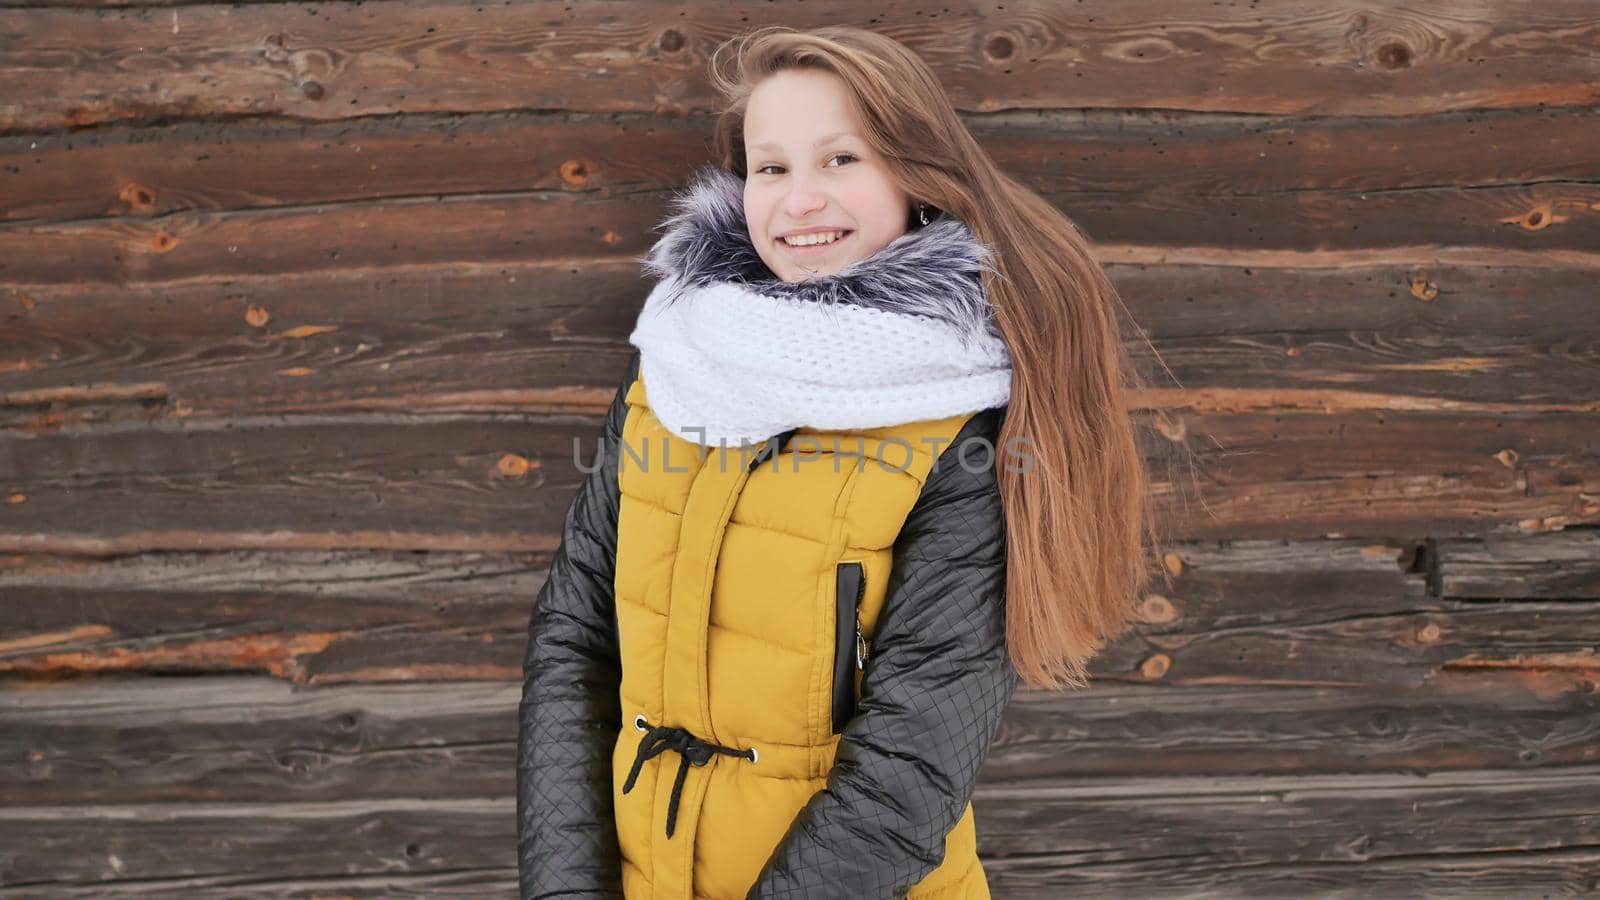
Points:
(1077, 520)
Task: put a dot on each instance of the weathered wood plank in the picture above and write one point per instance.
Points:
(1455, 720)
(517, 337)
(305, 617)
(263, 163)
(552, 336)
(1333, 613)
(368, 481)
(1207, 157)
(1557, 566)
(1262, 613)
(274, 840)
(1398, 649)
(1209, 830)
(499, 881)
(1387, 472)
(72, 67)
(245, 739)
(546, 225)
(1517, 873)
(437, 482)
(482, 230)
(1216, 822)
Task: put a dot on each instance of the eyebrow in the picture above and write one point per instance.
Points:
(820, 141)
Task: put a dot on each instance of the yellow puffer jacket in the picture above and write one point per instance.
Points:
(767, 674)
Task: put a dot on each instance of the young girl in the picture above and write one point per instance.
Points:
(871, 466)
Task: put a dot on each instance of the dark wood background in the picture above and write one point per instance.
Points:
(304, 304)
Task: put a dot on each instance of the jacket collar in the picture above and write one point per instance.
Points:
(934, 271)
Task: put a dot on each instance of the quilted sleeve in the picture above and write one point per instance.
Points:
(936, 682)
(570, 711)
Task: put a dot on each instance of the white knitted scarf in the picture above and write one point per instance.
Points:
(729, 353)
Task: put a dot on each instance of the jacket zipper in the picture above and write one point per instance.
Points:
(850, 584)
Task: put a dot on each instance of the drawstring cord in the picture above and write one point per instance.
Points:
(661, 738)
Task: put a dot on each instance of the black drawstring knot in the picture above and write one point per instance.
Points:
(691, 749)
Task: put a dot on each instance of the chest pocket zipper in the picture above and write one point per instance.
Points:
(849, 645)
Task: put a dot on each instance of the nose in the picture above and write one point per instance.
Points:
(803, 200)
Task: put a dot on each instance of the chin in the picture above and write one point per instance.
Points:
(791, 272)
(821, 272)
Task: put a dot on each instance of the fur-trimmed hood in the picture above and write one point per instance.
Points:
(934, 271)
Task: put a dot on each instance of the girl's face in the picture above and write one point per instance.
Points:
(811, 173)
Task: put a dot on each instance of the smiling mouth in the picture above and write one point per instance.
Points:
(814, 247)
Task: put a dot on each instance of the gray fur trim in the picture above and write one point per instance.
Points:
(934, 271)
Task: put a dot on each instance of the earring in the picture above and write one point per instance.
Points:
(922, 210)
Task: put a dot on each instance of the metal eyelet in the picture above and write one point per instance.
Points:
(639, 722)
(754, 756)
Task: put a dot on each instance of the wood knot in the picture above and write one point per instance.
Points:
(512, 465)
(256, 316)
(671, 41)
(163, 241)
(1428, 634)
(312, 89)
(999, 47)
(137, 197)
(1155, 609)
(575, 172)
(277, 48)
(1394, 55)
(1423, 289)
(1538, 218)
(1155, 666)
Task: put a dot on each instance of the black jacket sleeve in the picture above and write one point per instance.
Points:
(570, 711)
(936, 681)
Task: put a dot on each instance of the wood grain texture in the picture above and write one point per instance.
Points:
(1566, 566)
(510, 227)
(552, 335)
(68, 66)
(380, 480)
(1208, 159)
(1197, 833)
(497, 881)
(254, 738)
(1247, 835)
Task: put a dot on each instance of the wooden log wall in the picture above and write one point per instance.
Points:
(303, 305)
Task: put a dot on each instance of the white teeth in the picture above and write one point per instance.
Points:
(821, 237)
